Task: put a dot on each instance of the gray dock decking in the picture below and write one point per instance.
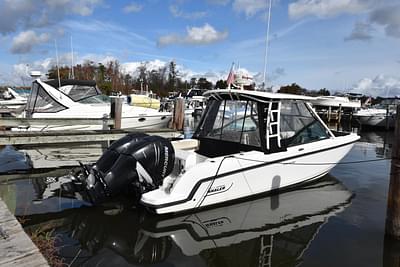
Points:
(16, 248)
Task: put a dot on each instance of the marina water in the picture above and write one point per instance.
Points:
(337, 221)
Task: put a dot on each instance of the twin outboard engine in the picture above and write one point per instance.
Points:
(137, 161)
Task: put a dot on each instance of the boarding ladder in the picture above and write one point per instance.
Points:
(272, 129)
(265, 256)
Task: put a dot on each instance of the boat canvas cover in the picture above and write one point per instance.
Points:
(77, 90)
(40, 101)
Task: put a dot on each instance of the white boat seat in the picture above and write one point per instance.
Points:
(186, 144)
(287, 134)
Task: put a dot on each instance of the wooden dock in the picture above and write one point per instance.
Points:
(16, 248)
(52, 137)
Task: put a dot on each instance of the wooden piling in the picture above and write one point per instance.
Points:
(179, 114)
(393, 205)
(329, 113)
(116, 111)
(387, 118)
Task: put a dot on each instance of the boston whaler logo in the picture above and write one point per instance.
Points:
(218, 189)
(218, 222)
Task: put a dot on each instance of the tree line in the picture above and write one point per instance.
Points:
(111, 78)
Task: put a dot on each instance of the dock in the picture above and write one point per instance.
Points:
(52, 137)
(16, 248)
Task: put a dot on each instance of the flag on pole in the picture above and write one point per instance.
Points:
(231, 77)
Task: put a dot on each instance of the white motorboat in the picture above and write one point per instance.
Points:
(277, 143)
(195, 105)
(377, 116)
(10, 99)
(336, 101)
(82, 99)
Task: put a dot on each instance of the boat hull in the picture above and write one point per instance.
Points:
(378, 120)
(248, 174)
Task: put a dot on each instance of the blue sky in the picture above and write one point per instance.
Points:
(350, 45)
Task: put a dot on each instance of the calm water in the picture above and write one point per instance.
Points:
(338, 221)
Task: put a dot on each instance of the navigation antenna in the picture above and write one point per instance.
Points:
(267, 45)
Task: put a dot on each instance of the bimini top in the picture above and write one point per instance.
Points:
(253, 95)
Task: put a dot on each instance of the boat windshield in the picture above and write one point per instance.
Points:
(79, 92)
(98, 99)
(299, 125)
(230, 126)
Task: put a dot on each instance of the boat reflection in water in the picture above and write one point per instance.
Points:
(269, 231)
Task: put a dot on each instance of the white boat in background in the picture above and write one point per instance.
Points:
(336, 101)
(266, 143)
(195, 105)
(377, 116)
(10, 99)
(82, 99)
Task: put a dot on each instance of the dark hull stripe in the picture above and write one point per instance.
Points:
(197, 185)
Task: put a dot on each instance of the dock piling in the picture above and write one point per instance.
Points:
(393, 205)
(179, 114)
(116, 111)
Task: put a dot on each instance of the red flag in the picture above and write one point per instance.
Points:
(231, 76)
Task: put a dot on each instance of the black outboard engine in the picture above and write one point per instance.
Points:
(137, 161)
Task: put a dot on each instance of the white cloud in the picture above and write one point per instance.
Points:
(25, 41)
(327, 8)
(381, 85)
(195, 35)
(132, 8)
(249, 7)
(178, 13)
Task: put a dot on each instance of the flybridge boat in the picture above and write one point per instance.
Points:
(82, 99)
(247, 143)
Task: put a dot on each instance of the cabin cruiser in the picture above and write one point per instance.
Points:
(378, 116)
(274, 142)
(336, 101)
(60, 99)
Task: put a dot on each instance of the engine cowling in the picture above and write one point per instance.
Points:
(136, 160)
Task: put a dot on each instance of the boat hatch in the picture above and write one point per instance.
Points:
(40, 101)
(232, 126)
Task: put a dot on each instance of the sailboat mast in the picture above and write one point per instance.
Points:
(267, 45)
(58, 67)
(72, 61)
